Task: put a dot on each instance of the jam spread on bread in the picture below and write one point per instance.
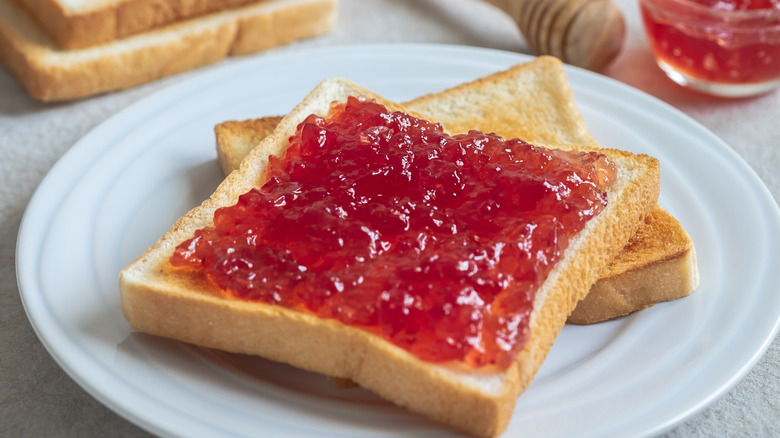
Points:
(380, 220)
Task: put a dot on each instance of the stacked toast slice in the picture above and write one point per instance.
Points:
(62, 50)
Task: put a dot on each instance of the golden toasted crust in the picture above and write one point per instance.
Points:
(236, 138)
(50, 73)
(533, 101)
(160, 300)
(658, 265)
(660, 238)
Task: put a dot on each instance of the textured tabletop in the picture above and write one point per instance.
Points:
(38, 399)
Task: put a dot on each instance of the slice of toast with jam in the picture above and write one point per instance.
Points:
(533, 102)
(472, 394)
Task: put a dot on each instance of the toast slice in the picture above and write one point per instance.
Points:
(533, 101)
(162, 300)
(78, 24)
(49, 73)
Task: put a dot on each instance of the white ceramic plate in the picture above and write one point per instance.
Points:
(123, 185)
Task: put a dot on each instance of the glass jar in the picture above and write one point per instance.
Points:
(716, 46)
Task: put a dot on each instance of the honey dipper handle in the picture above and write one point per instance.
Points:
(584, 33)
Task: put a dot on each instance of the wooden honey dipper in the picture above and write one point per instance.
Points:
(585, 33)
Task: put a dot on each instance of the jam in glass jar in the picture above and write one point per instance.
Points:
(727, 48)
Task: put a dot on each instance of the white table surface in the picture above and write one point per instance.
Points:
(38, 399)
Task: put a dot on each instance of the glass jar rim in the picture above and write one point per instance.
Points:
(698, 8)
(763, 23)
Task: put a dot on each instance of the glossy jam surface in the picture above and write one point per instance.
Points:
(380, 220)
(703, 40)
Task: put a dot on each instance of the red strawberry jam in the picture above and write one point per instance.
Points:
(382, 221)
